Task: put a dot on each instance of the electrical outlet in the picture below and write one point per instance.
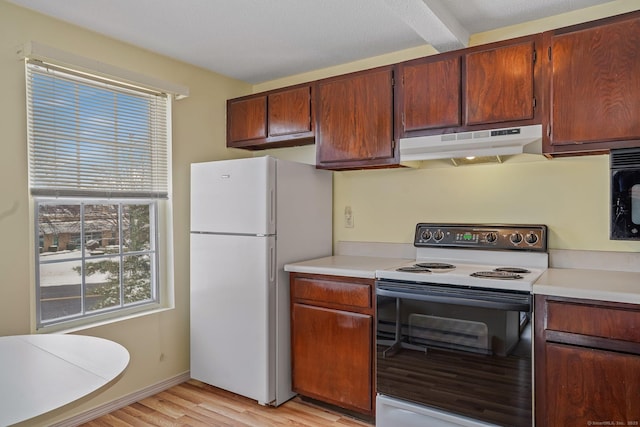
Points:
(348, 217)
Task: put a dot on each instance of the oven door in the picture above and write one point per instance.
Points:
(460, 351)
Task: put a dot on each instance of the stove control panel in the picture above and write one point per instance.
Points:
(482, 236)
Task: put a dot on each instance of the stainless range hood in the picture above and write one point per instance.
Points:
(490, 144)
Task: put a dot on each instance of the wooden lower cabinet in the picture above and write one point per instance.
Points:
(332, 361)
(332, 340)
(587, 371)
(589, 385)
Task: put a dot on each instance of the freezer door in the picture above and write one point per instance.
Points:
(233, 312)
(234, 196)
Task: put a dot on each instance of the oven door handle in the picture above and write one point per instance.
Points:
(446, 299)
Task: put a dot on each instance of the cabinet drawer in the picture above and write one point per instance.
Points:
(594, 320)
(332, 291)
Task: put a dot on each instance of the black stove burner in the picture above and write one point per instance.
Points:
(414, 269)
(504, 275)
(436, 265)
(512, 270)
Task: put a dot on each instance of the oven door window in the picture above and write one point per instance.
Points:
(464, 358)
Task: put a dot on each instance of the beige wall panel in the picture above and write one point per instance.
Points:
(570, 195)
(158, 343)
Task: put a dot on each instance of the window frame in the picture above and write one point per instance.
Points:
(117, 310)
(162, 276)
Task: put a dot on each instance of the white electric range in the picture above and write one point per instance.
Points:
(453, 327)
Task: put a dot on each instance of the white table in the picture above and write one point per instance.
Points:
(39, 373)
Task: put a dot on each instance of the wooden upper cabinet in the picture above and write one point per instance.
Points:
(247, 119)
(481, 87)
(499, 84)
(594, 85)
(290, 111)
(278, 118)
(355, 120)
(429, 93)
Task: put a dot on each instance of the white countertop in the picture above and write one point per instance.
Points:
(346, 265)
(603, 285)
(39, 373)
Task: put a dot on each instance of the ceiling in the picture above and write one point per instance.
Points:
(261, 40)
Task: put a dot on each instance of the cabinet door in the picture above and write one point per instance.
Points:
(274, 119)
(247, 119)
(430, 94)
(290, 111)
(355, 120)
(590, 387)
(331, 356)
(595, 89)
(499, 84)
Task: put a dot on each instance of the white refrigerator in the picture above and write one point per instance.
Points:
(250, 217)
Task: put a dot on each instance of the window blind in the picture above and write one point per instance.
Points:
(90, 137)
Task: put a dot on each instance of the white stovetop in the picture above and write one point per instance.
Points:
(467, 262)
(461, 275)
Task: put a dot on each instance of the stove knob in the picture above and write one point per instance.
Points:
(515, 238)
(425, 235)
(531, 238)
(492, 237)
(438, 235)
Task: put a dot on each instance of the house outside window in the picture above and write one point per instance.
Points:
(99, 178)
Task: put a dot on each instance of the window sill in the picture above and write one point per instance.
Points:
(96, 323)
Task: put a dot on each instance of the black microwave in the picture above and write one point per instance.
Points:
(625, 194)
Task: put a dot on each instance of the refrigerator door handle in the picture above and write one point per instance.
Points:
(272, 207)
(272, 264)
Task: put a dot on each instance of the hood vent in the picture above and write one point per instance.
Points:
(625, 158)
(488, 144)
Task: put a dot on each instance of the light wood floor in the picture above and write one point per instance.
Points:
(197, 404)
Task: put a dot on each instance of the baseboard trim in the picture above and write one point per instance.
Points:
(123, 401)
